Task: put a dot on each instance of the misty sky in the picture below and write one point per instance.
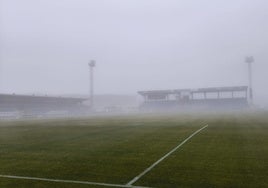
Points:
(45, 45)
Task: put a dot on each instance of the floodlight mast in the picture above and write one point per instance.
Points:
(249, 60)
(91, 65)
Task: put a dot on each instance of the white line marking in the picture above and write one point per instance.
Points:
(69, 181)
(165, 156)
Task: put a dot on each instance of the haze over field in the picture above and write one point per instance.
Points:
(45, 45)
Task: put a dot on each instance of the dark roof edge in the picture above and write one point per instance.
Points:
(42, 97)
(209, 89)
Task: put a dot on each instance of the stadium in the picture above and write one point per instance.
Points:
(133, 94)
(203, 98)
(23, 106)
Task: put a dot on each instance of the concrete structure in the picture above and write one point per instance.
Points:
(26, 105)
(202, 98)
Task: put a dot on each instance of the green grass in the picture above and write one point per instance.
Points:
(231, 152)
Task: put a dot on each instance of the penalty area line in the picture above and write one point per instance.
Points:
(69, 181)
(164, 157)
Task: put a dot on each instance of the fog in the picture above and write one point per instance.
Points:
(45, 45)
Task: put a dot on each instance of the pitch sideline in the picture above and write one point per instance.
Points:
(69, 181)
(130, 183)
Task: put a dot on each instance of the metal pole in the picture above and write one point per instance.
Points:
(91, 87)
(250, 83)
(91, 64)
(249, 60)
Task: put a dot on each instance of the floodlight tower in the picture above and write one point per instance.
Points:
(91, 65)
(249, 60)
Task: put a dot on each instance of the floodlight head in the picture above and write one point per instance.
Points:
(92, 63)
(249, 59)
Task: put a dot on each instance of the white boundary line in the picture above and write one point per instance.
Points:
(165, 156)
(69, 181)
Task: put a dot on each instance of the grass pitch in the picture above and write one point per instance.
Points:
(231, 152)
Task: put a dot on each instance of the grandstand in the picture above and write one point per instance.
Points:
(202, 98)
(27, 105)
